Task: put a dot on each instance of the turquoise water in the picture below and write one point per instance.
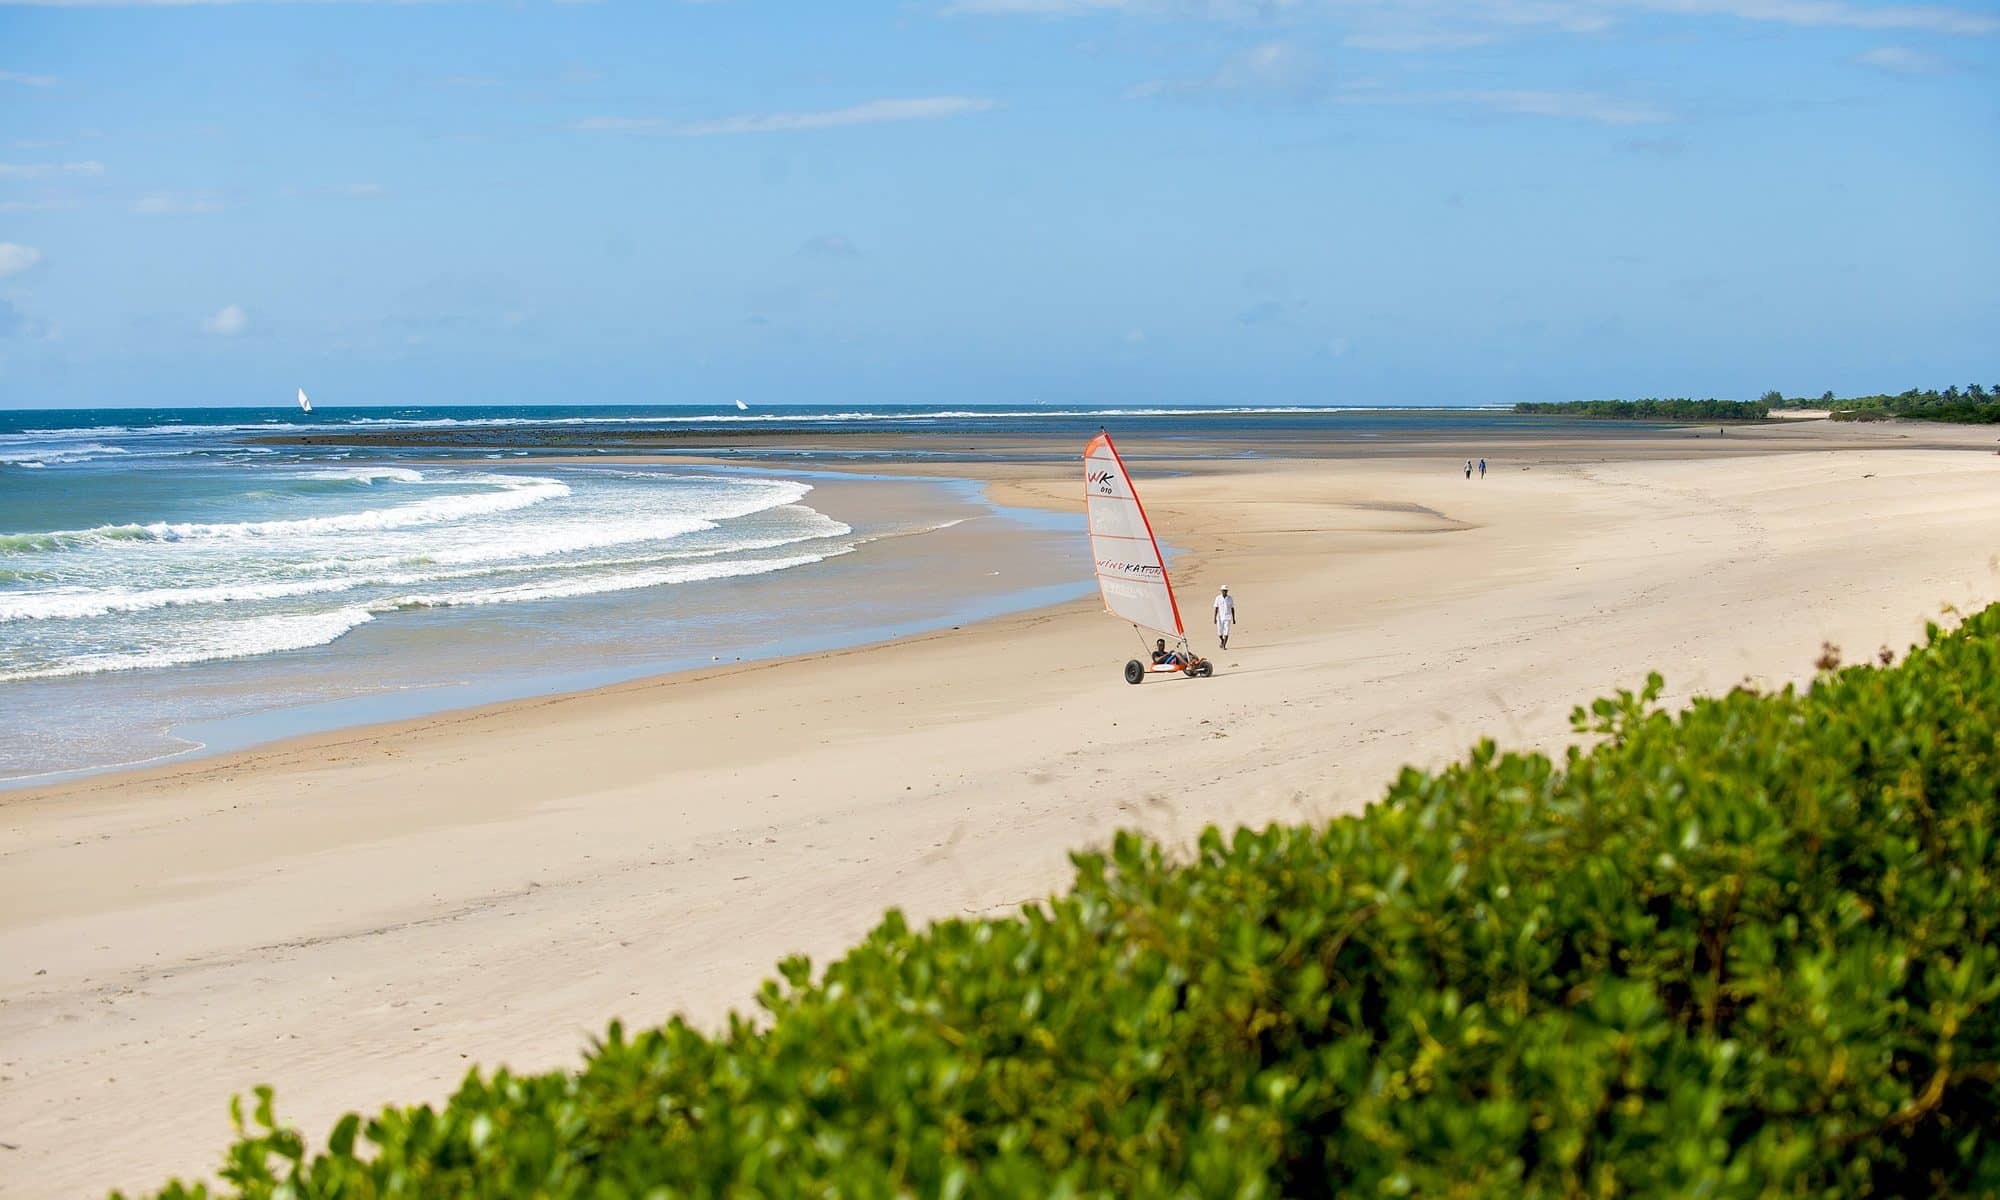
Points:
(172, 585)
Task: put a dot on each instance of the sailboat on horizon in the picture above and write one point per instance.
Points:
(305, 405)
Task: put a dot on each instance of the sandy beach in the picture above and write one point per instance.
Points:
(358, 917)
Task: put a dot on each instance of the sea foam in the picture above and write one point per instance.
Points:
(238, 639)
(322, 550)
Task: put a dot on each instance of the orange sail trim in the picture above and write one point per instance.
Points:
(1131, 573)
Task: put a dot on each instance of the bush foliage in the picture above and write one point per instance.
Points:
(1652, 410)
(1975, 405)
(1748, 949)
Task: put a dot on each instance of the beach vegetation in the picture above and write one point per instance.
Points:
(1681, 409)
(1973, 405)
(1748, 948)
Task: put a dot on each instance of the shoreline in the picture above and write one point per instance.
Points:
(897, 513)
(358, 917)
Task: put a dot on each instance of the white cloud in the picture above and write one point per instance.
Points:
(1569, 16)
(1902, 60)
(1578, 106)
(1271, 69)
(16, 258)
(26, 80)
(47, 170)
(227, 321)
(1041, 8)
(1838, 14)
(1416, 42)
(872, 112)
(154, 204)
(1564, 16)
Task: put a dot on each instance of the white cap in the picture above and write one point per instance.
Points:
(1225, 587)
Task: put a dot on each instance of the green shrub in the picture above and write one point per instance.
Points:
(1652, 410)
(1745, 950)
(1973, 406)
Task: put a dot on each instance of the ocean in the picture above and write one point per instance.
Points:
(174, 580)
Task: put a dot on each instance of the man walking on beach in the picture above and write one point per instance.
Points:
(1225, 616)
(1482, 468)
(1468, 468)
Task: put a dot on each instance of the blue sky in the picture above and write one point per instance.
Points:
(995, 201)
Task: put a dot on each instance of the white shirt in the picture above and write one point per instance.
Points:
(1225, 607)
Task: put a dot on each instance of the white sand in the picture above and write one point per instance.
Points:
(357, 918)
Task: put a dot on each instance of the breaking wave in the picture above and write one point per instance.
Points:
(314, 553)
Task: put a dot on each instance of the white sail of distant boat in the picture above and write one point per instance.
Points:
(742, 407)
(1131, 574)
(305, 405)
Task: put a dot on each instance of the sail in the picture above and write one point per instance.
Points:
(305, 405)
(1130, 571)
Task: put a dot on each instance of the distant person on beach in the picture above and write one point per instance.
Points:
(1482, 468)
(1225, 615)
(1468, 468)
